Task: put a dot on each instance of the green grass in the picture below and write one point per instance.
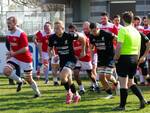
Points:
(53, 100)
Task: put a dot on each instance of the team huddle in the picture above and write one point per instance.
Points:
(108, 51)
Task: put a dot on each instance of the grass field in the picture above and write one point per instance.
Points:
(53, 100)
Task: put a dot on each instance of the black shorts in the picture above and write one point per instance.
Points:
(127, 65)
(144, 68)
(106, 62)
(69, 64)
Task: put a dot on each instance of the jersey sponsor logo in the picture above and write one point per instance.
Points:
(103, 39)
(64, 47)
(100, 46)
(63, 52)
(66, 41)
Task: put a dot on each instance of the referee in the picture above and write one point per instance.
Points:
(126, 57)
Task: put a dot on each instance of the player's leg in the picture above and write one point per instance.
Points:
(55, 68)
(27, 67)
(46, 70)
(38, 71)
(66, 79)
(10, 73)
(77, 77)
(110, 77)
(88, 67)
(134, 87)
(17, 69)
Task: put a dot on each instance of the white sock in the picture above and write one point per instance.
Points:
(35, 88)
(81, 87)
(55, 79)
(96, 84)
(97, 77)
(15, 77)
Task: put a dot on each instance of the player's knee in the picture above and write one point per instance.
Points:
(7, 71)
(28, 77)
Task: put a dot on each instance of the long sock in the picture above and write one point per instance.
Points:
(66, 85)
(109, 91)
(73, 88)
(137, 92)
(46, 70)
(15, 77)
(97, 78)
(123, 97)
(35, 87)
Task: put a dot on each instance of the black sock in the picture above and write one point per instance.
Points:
(66, 85)
(137, 92)
(18, 71)
(109, 91)
(73, 88)
(135, 80)
(123, 97)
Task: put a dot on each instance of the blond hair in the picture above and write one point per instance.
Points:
(60, 22)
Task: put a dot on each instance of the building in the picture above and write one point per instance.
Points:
(77, 11)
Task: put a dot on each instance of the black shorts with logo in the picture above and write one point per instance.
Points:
(127, 65)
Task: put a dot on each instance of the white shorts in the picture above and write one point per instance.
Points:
(45, 55)
(84, 65)
(53, 61)
(23, 65)
(95, 59)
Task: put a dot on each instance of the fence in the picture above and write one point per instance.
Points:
(30, 21)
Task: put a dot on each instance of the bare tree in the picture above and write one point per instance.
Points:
(28, 3)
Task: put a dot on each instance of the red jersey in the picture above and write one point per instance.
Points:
(140, 28)
(19, 40)
(42, 37)
(146, 30)
(78, 48)
(110, 28)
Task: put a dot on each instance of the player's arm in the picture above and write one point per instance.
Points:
(92, 48)
(82, 39)
(20, 51)
(118, 50)
(51, 50)
(40, 49)
(147, 43)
